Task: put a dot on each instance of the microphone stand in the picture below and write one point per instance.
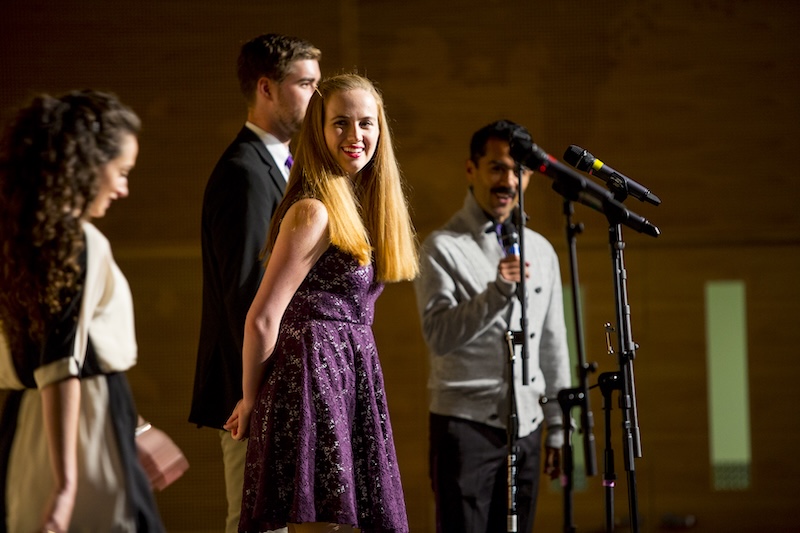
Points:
(571, 187)
(511, 436)
(577, 396)
(623, 381)
(631, 438)
(608, 382)
(520, 338)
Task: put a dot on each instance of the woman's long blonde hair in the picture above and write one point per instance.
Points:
(368, 215)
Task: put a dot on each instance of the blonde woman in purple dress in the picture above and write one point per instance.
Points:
(321, 455)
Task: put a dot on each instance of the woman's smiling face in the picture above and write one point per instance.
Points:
(114, 177)
(351, 128)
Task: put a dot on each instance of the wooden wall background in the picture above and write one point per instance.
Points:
(697, 99)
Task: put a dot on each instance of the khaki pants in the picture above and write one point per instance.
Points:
(233, 456)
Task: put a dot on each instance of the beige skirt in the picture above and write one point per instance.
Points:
(101, 501)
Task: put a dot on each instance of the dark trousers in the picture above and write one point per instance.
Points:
(469, 474)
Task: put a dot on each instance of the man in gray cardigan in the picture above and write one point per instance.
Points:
(467, 301)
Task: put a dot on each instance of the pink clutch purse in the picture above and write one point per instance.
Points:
(162, 460)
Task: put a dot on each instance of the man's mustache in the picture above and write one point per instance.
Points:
(503, 190)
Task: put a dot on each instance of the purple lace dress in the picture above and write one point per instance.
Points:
(321, 447)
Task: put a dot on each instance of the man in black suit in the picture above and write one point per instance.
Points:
(277, 76)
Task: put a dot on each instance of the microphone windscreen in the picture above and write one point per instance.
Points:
(520, 146)
(573, 154)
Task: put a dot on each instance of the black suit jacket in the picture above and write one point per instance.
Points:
(240, 197)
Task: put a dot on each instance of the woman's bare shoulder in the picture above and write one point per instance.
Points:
(307, 215)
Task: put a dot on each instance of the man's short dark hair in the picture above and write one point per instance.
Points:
(503, 130)
(270, 55)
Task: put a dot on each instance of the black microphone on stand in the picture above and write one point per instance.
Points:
(616, 181)
(574, 186)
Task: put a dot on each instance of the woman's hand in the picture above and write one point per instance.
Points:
(239, 421)
(59, 510)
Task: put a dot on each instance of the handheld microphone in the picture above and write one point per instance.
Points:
(575, 187)
(616, 181)
(511, 242)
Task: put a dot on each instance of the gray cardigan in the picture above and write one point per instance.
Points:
(465, 310)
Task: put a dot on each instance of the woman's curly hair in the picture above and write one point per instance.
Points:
(51, 155)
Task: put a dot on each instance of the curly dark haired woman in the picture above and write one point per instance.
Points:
(67, 451)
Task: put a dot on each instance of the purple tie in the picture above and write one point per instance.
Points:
(498, 229)
(289, 162)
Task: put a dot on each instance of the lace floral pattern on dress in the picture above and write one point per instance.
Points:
(321, 446)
